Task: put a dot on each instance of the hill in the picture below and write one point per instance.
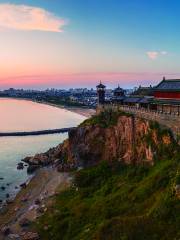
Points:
(114, 198)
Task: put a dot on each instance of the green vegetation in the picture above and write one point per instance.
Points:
(105, 119)
(118, 202)
(113, 201)
(65, 101)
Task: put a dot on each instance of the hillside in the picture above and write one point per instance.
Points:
(129, 188)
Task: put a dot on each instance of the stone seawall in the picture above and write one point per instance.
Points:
(35, 133)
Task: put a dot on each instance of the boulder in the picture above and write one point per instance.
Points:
(9, 201)
(20, 166)
(3, 209)
(5, 230)
(29, 236)
(40, 210)
(24, 199)
(26, 159)
(32, 168)
(24, 222)
(37, 201)
(14, 237)
(38, 159)
(23, 185)
(7, 195)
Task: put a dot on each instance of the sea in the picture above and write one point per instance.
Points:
(23, 115)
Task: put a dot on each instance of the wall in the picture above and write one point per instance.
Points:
(166, 95)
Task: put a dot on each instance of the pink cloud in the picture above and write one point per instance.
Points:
(152, 55)
(23, 17)
(155, 54)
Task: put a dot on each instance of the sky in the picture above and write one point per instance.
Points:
(77, 43)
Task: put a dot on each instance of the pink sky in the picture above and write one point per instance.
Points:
(85, 79)
(39, 48)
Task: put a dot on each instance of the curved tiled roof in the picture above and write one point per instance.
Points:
(101, 85)
(170, 85)
(118, 89)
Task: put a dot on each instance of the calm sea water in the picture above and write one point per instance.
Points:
(21, 115)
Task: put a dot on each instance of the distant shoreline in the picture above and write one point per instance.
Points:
(83, 111)
(44, 180)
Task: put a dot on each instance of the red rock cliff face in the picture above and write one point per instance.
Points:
(124, 141)
(131, 140)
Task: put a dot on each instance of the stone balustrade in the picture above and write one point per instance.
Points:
(171, 121)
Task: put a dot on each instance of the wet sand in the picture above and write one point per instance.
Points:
(46, 183)
(84, 111)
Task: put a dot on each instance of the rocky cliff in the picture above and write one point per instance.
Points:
(113, 200)
(109, 136)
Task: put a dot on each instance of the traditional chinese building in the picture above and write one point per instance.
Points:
(118, 95)
(164, 98)
(101, 93)
(167, 96)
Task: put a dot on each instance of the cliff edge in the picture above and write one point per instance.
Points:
(109, 136)
(128, 189)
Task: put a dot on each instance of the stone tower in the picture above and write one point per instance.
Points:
(101, 93)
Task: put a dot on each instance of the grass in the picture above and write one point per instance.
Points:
(113, 201)
(65, 101)
(105, 119)
(117, 202)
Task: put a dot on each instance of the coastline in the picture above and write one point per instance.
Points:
(44, 184)
(84, 111)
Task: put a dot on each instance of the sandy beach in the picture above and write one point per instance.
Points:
(37, 195)
(33, 199)
(84, 111)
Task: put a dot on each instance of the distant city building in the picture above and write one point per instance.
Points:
(143, 91)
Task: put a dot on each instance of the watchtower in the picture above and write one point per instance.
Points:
(101, 93)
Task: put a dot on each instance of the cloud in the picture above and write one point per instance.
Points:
(155, 54)
(23, 17)
(152, 55)
(164, 53)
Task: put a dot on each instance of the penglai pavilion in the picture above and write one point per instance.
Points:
(164, 98)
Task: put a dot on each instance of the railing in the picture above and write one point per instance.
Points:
(171, 121)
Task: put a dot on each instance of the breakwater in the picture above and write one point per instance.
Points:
(35, 133)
